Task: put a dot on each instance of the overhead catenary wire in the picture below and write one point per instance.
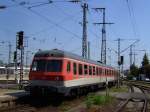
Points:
(52, 22)
(73, 20)
(132, 18)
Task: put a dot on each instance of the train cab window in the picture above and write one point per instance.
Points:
(68, 66)
(93, 70)
(90, 70)
(97, 72)
(74, 68)
(85, 69)
(39, 65)
(80, 69)
(54, 66)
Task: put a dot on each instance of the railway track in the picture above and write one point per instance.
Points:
(53, 103)
(144, 88)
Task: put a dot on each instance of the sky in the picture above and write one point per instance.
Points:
(58, 25)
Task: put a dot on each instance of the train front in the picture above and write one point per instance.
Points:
(46, 73)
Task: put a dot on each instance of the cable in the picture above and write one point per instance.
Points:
(132, 17)
(53, 23)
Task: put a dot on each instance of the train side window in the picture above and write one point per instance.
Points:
(97, 72)
(85, 69)
(93, 70)
(106, 73)
(74, 68)
(100, 71)
(80, 69)
(90, 70)
(68, 66)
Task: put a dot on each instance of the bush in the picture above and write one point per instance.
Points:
(129, 77)
(97, 100)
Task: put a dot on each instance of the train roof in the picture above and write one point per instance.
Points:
(61, 53)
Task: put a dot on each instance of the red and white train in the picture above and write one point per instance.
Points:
(63, 72)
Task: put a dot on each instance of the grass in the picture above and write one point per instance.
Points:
(64, 107)
(93, 99)
(121, 89)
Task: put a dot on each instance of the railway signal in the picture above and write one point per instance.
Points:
(20, 46)
(20, 36)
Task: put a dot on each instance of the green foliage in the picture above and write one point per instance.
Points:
(145, 60)
(134, 71)
(145, 68)
(93, 99)
(121, 89)
(130, 77)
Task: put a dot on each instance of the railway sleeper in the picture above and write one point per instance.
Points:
(7, 103)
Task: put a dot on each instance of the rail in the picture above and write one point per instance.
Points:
(144, 87)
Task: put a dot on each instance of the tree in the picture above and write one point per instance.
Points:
(145, 64)
(145, 60)
(134, 70)
(147, 70)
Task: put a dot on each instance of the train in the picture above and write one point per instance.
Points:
(58, 71)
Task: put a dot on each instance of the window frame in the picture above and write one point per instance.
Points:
(80, 69)
(85, 69)
(94, 70)
(90, 70)
(68, 66)
(74, 68)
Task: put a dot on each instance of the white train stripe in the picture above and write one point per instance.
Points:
(70, 83)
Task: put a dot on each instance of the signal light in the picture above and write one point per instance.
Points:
(122, 59)
(20, 39)
(120, 62)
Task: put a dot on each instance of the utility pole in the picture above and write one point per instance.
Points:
(21, 66)
(131, 53)
(88, 50)
(84, 38)
(109, 56)
(103, 42)
(16, 70)
(9, 54)
(119, 63)
(20, 46)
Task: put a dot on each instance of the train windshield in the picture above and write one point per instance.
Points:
(47, 65)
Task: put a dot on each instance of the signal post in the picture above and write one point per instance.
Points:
(19, 46)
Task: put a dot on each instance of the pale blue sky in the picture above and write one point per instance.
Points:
(60, 21)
